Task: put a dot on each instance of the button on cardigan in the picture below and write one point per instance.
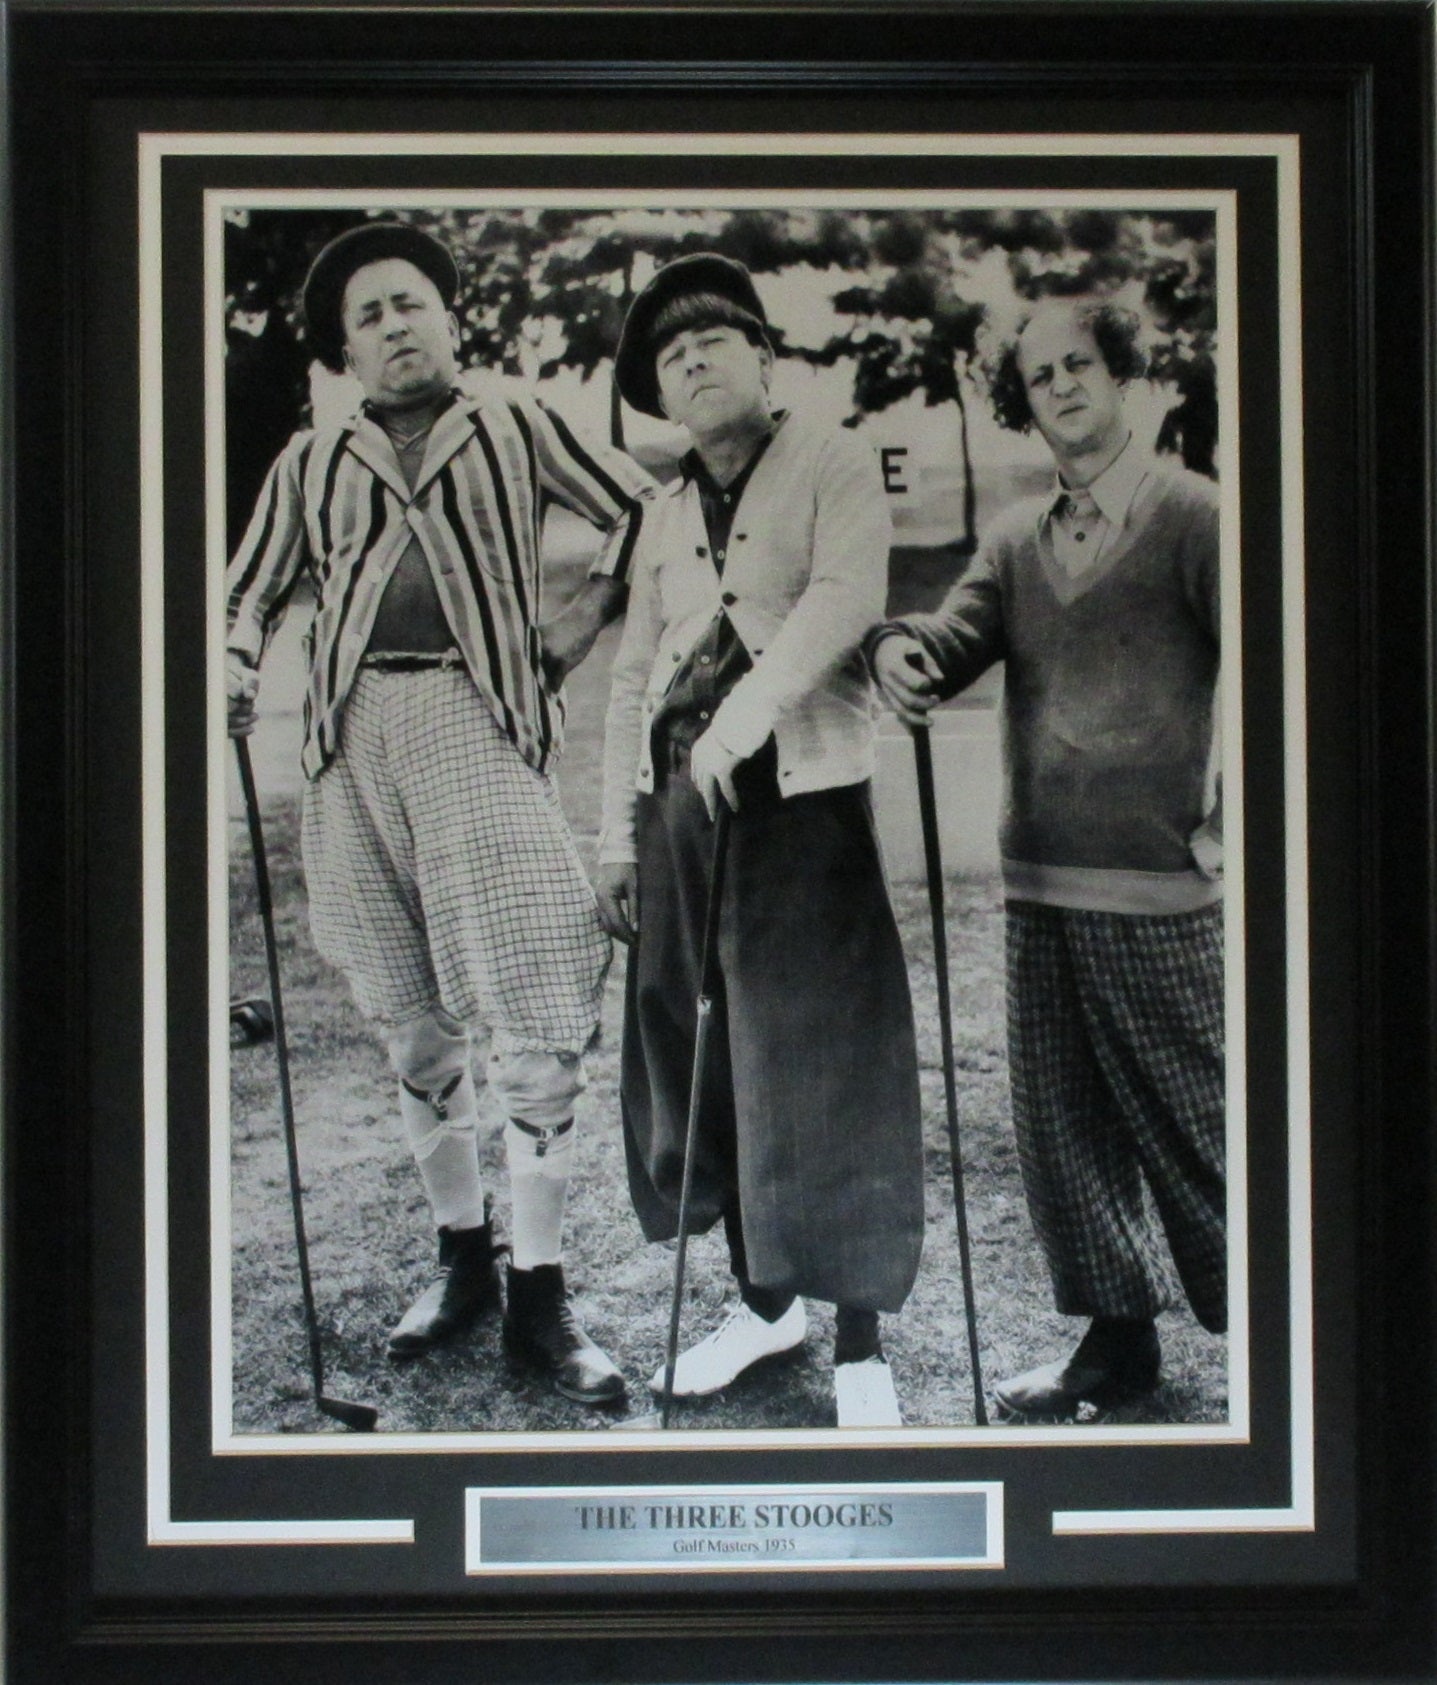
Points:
(806, 576)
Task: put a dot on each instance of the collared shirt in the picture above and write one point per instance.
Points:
(718, 660)
(337, 505)
(1109, 695)
(1080, 523)
(410, 618)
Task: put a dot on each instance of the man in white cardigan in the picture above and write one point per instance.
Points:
(740, 678)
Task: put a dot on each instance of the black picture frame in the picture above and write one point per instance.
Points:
(1355, 82)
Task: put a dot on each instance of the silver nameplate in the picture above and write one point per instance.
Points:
(707, 1529)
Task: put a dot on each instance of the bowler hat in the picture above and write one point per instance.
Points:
(371, 242)
(701, 272)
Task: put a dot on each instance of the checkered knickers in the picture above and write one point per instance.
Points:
(1115, 1037)
(440, 868)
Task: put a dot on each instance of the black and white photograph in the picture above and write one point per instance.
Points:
(753, 857)
(719, 822)
(726, 754)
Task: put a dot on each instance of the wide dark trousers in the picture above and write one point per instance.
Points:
(1115, 1041)
(810, 1121)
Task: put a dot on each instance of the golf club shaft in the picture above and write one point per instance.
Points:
(671, 1349)
(708, 983)
(291, 1147)
(928, 814)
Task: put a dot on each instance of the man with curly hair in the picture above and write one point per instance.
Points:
(1101, 598)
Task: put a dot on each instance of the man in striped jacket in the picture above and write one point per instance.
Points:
(441, 875)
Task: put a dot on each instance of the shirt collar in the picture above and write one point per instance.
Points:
(446, 400)
(1115, 488)
(691, 464)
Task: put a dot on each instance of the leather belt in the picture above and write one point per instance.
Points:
(406, 661)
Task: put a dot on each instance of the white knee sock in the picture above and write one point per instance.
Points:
(446, 1149)
(538, 1183)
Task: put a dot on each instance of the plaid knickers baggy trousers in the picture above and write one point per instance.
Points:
(1115, 1039)
(441, 870)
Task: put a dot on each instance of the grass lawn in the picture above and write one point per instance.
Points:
(373, 1249)
(372, 1246)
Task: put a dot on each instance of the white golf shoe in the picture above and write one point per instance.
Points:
(740, 1340)
(865, 1394)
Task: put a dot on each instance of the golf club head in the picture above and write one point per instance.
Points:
(649, 1421)
(359, 1418)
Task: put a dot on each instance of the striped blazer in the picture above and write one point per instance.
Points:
(336, 505)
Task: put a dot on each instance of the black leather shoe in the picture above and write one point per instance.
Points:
(1116, 1362)
(542, 1332)
(466, 1287)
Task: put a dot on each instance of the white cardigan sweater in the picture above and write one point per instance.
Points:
(805, 577)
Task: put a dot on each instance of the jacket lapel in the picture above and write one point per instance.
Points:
(452, 431)
(370, 443)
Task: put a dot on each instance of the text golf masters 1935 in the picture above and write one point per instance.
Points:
(616, 1529)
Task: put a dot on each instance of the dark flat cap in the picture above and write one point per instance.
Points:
(701, 272)
(371, 242)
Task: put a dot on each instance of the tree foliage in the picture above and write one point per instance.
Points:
(546, 290)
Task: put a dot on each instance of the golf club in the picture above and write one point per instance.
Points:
(708, 984)
(928, 813)
(359, 1417)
